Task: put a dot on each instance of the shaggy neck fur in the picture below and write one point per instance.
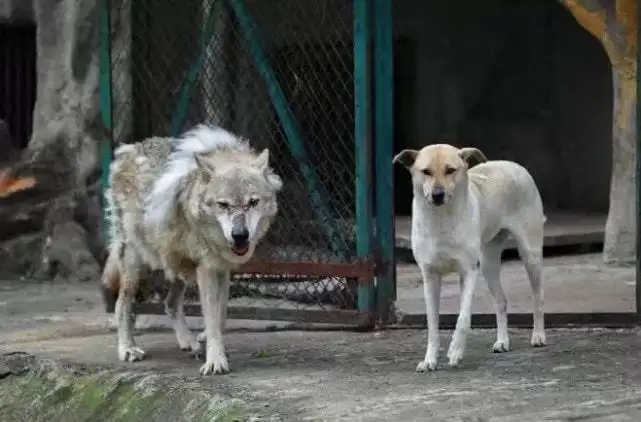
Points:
(161, 205)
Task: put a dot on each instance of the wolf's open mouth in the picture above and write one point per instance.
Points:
(240, 250)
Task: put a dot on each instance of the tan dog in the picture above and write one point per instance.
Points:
(462, 219)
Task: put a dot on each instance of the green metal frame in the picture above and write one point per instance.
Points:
(384, 152)
(373, 142)
(363, 143)
(106, 108)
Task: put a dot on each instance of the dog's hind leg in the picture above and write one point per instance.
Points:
(131, 266)
(530, 246)
(175, 310)
(491, 270)
(432, 294)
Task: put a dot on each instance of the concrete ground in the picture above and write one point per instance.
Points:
(331, 376)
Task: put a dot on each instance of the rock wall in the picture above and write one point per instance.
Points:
(51, 230)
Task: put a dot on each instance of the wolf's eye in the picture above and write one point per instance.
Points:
(427, 172)
(449, 170)
(223, 204)
(253, 202)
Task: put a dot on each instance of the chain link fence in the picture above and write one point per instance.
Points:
(279, 72)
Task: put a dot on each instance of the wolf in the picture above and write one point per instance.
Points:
(462, 218)
(194, 207)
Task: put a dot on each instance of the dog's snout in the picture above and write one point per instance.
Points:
(438, 195)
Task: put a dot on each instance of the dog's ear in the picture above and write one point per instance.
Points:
(468, 153)
(406, 157)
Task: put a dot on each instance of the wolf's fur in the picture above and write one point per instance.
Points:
(177, 205)
(464, 228)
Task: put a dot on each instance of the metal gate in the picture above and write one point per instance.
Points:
(299, 78)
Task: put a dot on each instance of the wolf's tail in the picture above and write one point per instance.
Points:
(111, 280)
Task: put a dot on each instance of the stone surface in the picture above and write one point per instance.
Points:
(345, 376)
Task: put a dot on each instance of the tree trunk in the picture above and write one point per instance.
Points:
(614, 24)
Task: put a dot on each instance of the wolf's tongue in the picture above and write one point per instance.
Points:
(240, 250)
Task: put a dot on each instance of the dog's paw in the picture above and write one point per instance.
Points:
(215, 367)
(501, 346)
(538, 339)
(426, 366)
(202, 337)
(131, 354)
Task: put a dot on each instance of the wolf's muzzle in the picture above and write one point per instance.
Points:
(240, 234)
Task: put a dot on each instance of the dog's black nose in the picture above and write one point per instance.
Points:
(240, 236)
(438, 196)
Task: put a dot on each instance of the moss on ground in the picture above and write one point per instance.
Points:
(59, 395)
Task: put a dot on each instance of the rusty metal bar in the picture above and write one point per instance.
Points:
(356, 269)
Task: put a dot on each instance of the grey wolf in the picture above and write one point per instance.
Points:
(462, 217)
(194, 207)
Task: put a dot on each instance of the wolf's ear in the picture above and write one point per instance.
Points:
(205, 166)
(262, 161)
(406, 157)
(468, 153)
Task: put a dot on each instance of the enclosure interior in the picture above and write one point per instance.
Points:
(521, 80)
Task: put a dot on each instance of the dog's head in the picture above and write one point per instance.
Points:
(235, 196)
(438, 169)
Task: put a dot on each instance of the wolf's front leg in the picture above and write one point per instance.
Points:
(432, 295)
(213, 286)
(464, 320)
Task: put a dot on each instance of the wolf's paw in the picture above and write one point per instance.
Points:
(538, 339)
(131, 354)
(455, 351)
(501, 346)
(215, 367)
(194, 348)
(426, 366)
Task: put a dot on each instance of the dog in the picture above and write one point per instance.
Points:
(462, 218)
(194, 207)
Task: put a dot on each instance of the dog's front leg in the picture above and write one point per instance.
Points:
(213, 286)
(464, 320)
(432, 294)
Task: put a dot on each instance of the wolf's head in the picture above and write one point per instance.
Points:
(233, 199)
(226, 191)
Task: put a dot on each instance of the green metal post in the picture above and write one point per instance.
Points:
(106, 109)
(638, 169)
(384, 152)
(362, 137)
(317, 194)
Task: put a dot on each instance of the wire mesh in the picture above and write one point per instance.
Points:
(177, 63)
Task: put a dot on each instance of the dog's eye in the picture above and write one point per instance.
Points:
(449, 170)
(253, 202)
(427, 172)
(223, 204)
